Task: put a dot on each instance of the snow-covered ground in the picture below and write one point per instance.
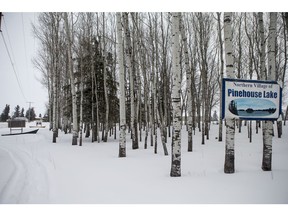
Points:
(35, 170)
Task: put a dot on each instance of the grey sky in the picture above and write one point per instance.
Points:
(17, 32)
(32, 89)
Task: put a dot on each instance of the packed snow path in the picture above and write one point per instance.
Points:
(35, 170)
(24, 179)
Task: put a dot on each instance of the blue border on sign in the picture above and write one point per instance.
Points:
(249, 81)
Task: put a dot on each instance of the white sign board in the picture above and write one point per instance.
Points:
(251, 99)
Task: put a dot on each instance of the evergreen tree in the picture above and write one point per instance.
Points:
(17, 112)
(22, 113)
(5, 113)
(215, 116)
(30, 114)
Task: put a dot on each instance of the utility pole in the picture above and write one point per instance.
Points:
(29, 111)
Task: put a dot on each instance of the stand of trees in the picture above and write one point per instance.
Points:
(5, 114)
(153, 73)
(18, 112)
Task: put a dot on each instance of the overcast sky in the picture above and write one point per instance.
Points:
(22, 46)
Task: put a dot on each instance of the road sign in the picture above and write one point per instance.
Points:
(251, 99)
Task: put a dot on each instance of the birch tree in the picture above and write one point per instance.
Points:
(81, 94)
(230, 123)
(189, 87)
(176, 100)
(70, 68)
(263, 46)
(120, 53)
(105, 84)
(262, 57)
(47, 61)
(285, 34)
(54, 89)
(221, 74)
(128, 52)
(267, 128)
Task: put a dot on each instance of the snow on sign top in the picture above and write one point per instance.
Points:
(251, 99)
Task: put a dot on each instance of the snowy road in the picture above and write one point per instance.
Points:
(23, 176)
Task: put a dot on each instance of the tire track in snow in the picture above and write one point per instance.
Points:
(11, 190)
(29, 181)
(38, 186)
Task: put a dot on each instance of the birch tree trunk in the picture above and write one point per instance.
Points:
(262, 57)
(105, 84)
(128, 48)
(221, 75)
(73, 91)
(189, 87)
(146, 103)
(146, 91)
(54, 52)
(176, 100)
(285, 31)
(230, 123)
(152, 113)
(120, 52)
(262, 46)
(267, 128)
(164, 80)
(92, 93)
(97, 109)
(160, 116)
(54, 120)
(81, 99)
(137, 78)
(155, 87)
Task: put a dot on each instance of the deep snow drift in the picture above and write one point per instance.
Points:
(35, 170)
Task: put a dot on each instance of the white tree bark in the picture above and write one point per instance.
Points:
(152, 88)
(267, 129)
(54, 69)
(105, 84)
(263, 72)
(230, 123)
(128, 51)
(155, 86)
(188, 86)
(54, 120)
(221, 74)
(73, 90)
(82, 96)
(120, 52)
(176, 100)
(262, 47)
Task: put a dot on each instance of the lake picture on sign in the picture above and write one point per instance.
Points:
(244, 107)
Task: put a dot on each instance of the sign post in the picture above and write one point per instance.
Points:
(251, 99)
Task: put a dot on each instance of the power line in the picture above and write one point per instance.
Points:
(24, 38)
(7, 32)
(15, 73)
